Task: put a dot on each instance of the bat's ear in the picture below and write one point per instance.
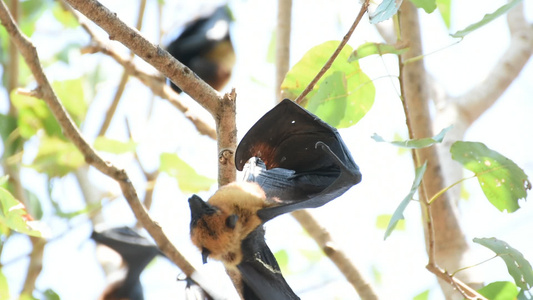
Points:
(199, 208)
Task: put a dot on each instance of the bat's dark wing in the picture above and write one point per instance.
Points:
(306, 163)
(261, 274)
(205, 47)
(137, 252)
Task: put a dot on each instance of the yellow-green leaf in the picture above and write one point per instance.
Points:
(105, 144)
(189, 181)
(13, 214)
(57, 157)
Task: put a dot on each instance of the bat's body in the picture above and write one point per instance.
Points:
(136, 252)
(205, 47)
(301, 162)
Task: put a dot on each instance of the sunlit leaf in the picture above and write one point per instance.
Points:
(370, 48)
(283, 258)
(342, 96)
(445, 8)
(4, 287)
(486, 19)
(57, 157)
(416, 143)
(14, 215)
(12, 141)
(89, 208)
(398, 213)
(64, 17)
(517, 266)
(501, 180)
(189, 181)
(34, 205)
(33, 115)
(105, 144)
(70, 92)
(3, 180)
(427, 5)
(271, 51)
(31, 11)
(385, 11)
(499, 290)
(422, 296)
(376, 273)
(382, 222)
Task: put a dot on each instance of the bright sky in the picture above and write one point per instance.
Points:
(70, 268)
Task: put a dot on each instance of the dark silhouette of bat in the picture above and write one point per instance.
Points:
(205, 47)
(136, 252)
(300, 162)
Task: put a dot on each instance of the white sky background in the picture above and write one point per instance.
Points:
(70, 268)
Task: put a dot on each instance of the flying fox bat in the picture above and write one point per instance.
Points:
(301, 162)
(136, 252)
(205, 47)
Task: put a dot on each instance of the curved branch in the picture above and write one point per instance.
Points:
(477, 100)
(152, 54)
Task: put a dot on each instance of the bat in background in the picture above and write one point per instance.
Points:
(136, 252)
(205, 47)
(300, 162)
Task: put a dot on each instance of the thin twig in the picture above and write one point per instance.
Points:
(330, 61)
(124, 78)
(283, 44)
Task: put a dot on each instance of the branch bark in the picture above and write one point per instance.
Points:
(283, 44)
(445, 240)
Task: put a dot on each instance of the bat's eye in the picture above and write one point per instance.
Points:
(231, 221)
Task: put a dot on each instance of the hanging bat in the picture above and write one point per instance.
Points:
(300, 162)
(136, 252)
(205, 47)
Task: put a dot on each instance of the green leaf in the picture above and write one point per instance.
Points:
(105, 144)
(486, 19)
(70, 92)
(519, 268)
(428, 5)
(445, 8)
(271, 51)
(10, 135)
(385, 11)
(499, 290)
(89, 208)
(416, 143)
(4, 287)
(34, 205)
(3, 180)
(13, 214)
(342, 96)
(33, 115)
(57, 157)
(501, 180)
(382, 222)
(398, 213)
(64, 17)
(422, 296)
(370, 48)
(283, 258)
(188, 180)
(50, 294)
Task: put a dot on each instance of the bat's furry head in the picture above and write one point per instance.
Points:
(219, 225)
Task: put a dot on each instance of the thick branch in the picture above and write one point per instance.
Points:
(482, 96)
(444, 237)
(283, 42)
(152, 54)
(154, 83)
(337, 256)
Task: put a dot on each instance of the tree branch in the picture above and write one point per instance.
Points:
(444, 237)
(46, 93)
(283, 43)
(153, 82)
(336, 255)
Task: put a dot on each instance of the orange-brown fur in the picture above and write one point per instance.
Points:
(243, 199)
